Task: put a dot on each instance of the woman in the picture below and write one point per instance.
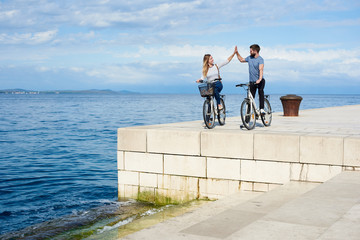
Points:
(211, 72)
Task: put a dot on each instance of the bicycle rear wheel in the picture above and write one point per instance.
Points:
(222, 113)
(247, 112)
(267, 117)
(208, 114)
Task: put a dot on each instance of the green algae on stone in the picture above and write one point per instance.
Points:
(157, 199)
(162, 200)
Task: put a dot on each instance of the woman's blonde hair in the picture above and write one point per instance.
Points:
(205, 68)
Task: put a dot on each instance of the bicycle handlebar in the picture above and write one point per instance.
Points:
(242, 85)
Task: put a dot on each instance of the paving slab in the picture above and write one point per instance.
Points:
(274, 230)
(345, 225)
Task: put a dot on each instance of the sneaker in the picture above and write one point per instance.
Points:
(220, 107)
(262, 112)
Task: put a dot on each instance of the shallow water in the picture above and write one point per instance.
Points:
(58, 152)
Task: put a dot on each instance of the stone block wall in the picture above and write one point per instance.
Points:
(183, 164)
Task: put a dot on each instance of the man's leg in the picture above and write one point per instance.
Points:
(253, 89)
(261, 87)
(253, 93)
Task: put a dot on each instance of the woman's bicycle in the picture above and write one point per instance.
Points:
(209, 110)
(249, 112)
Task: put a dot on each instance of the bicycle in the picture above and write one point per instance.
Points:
(249, 112)
(209, 110)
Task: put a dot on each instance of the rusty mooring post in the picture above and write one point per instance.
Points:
(291, 104)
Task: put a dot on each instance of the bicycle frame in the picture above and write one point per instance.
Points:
(252, 100)
(213, 108)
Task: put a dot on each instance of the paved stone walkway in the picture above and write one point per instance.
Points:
(297, 210)
(333, 121)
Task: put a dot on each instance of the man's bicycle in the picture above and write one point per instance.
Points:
(210, 110)
(249, 112)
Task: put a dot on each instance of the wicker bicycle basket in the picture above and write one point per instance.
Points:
(206, 89)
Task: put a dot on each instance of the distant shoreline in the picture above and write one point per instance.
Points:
(33, 92)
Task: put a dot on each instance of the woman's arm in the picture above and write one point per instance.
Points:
(231, 57)
(228, 59)
(223, 63)
(201, 79)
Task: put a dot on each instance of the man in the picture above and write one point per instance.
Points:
(256, 70)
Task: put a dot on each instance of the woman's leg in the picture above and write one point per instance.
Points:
(217, 89)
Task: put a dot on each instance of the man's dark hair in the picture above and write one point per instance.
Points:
(255, 47)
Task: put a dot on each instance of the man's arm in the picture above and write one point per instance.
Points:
(240, 58)
(261, 72)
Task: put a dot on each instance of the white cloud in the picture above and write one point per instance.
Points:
(145, 15)
(43, 69)
(5, 15)
(42, 37)
(185, 64)
(121, 74)
(187, 75)
(77, 69)
(187, 51)
(164, 14)
(296, 53)
(28, 38)
(295, 62)
(289, 63)
(80, 38)
(312, 57)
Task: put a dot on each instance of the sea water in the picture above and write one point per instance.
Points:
(58, 151)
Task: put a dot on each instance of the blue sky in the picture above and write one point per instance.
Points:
(158, 46)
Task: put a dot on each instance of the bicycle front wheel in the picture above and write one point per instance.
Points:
(222, 113)
(267, 117)
(247, 113)
(208, 114)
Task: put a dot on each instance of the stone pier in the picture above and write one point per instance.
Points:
(184, 161)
